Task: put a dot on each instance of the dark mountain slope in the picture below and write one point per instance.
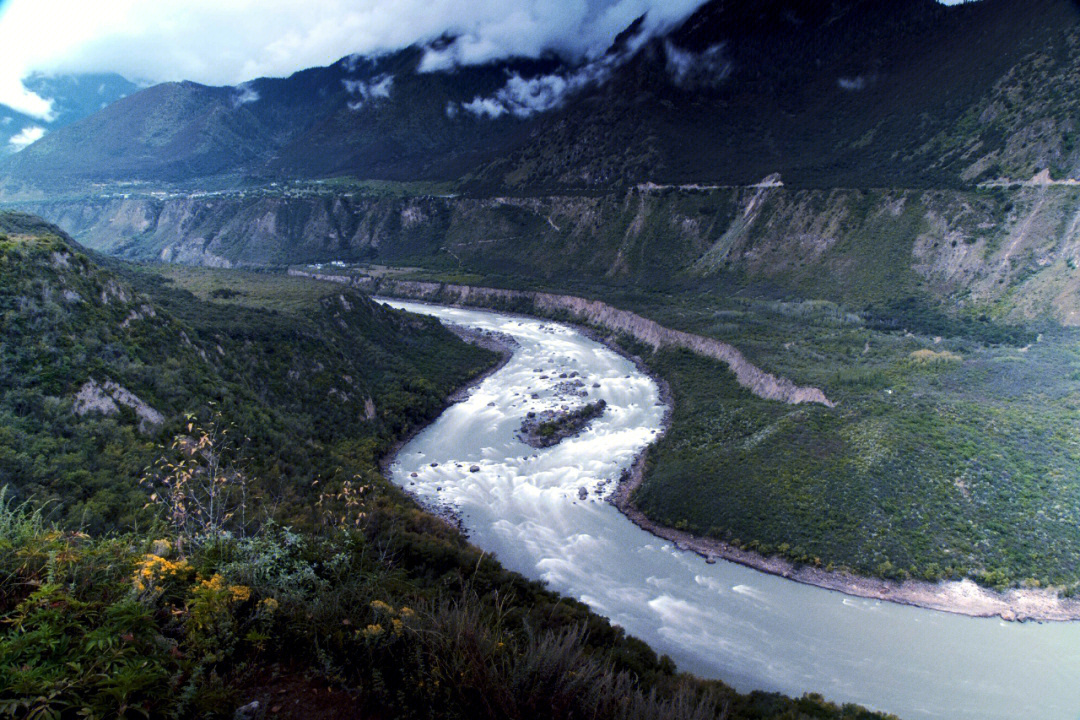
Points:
(833, 93)
(836, 93)
(416, 131)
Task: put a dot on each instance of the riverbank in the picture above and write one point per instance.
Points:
(962, 597)
(499, 343)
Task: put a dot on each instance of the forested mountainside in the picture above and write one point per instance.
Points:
(100, 361)
(862, 93)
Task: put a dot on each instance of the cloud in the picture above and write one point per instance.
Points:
(19, 99)
(227, 42)
(523, 97)
(707, 68)
(485, 107)
(851, 83)
(29, 134)
(367, 90)
(245, 94)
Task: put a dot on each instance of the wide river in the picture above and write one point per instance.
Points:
(750, 629)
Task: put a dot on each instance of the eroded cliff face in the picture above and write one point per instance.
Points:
(599, 314)
(1008, 253)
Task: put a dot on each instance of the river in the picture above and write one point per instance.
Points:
(753, 630)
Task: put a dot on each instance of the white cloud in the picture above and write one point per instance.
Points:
(485, 107)
(245, 94)
(690, 69)
(851, 83)
(18, 98)
(29, 134)
(375, 89)
(226, 42)
(523, 97)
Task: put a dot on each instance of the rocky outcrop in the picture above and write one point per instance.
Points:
(614, 320)
(550, 427)
(963, 249)
(106, 398)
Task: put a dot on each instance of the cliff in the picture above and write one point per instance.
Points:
(1002, 254)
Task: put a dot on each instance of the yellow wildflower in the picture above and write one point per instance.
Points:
(380, 606)
(373, 630)
(153, 570)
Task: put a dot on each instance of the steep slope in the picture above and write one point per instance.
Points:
(917, 256)
(93, 370)
(837, 93)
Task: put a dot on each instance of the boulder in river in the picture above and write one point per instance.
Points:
(550, 427)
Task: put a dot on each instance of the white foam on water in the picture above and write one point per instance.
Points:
(753, 630)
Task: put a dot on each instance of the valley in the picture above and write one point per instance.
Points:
(710, 363)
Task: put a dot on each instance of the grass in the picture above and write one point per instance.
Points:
(264, 291)
(941, 459)
(130, 626)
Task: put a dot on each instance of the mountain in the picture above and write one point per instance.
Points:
(74, 97)
(377, 115)
(837, 93)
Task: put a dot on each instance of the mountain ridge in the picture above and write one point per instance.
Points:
(833, 94)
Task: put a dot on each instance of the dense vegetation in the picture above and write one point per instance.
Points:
(312, 585)
(298, 360)
(948, 458)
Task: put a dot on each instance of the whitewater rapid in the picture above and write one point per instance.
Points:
(753, 630)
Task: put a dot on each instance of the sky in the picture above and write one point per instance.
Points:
(225, 42)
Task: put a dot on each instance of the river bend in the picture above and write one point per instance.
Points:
(722, 620)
